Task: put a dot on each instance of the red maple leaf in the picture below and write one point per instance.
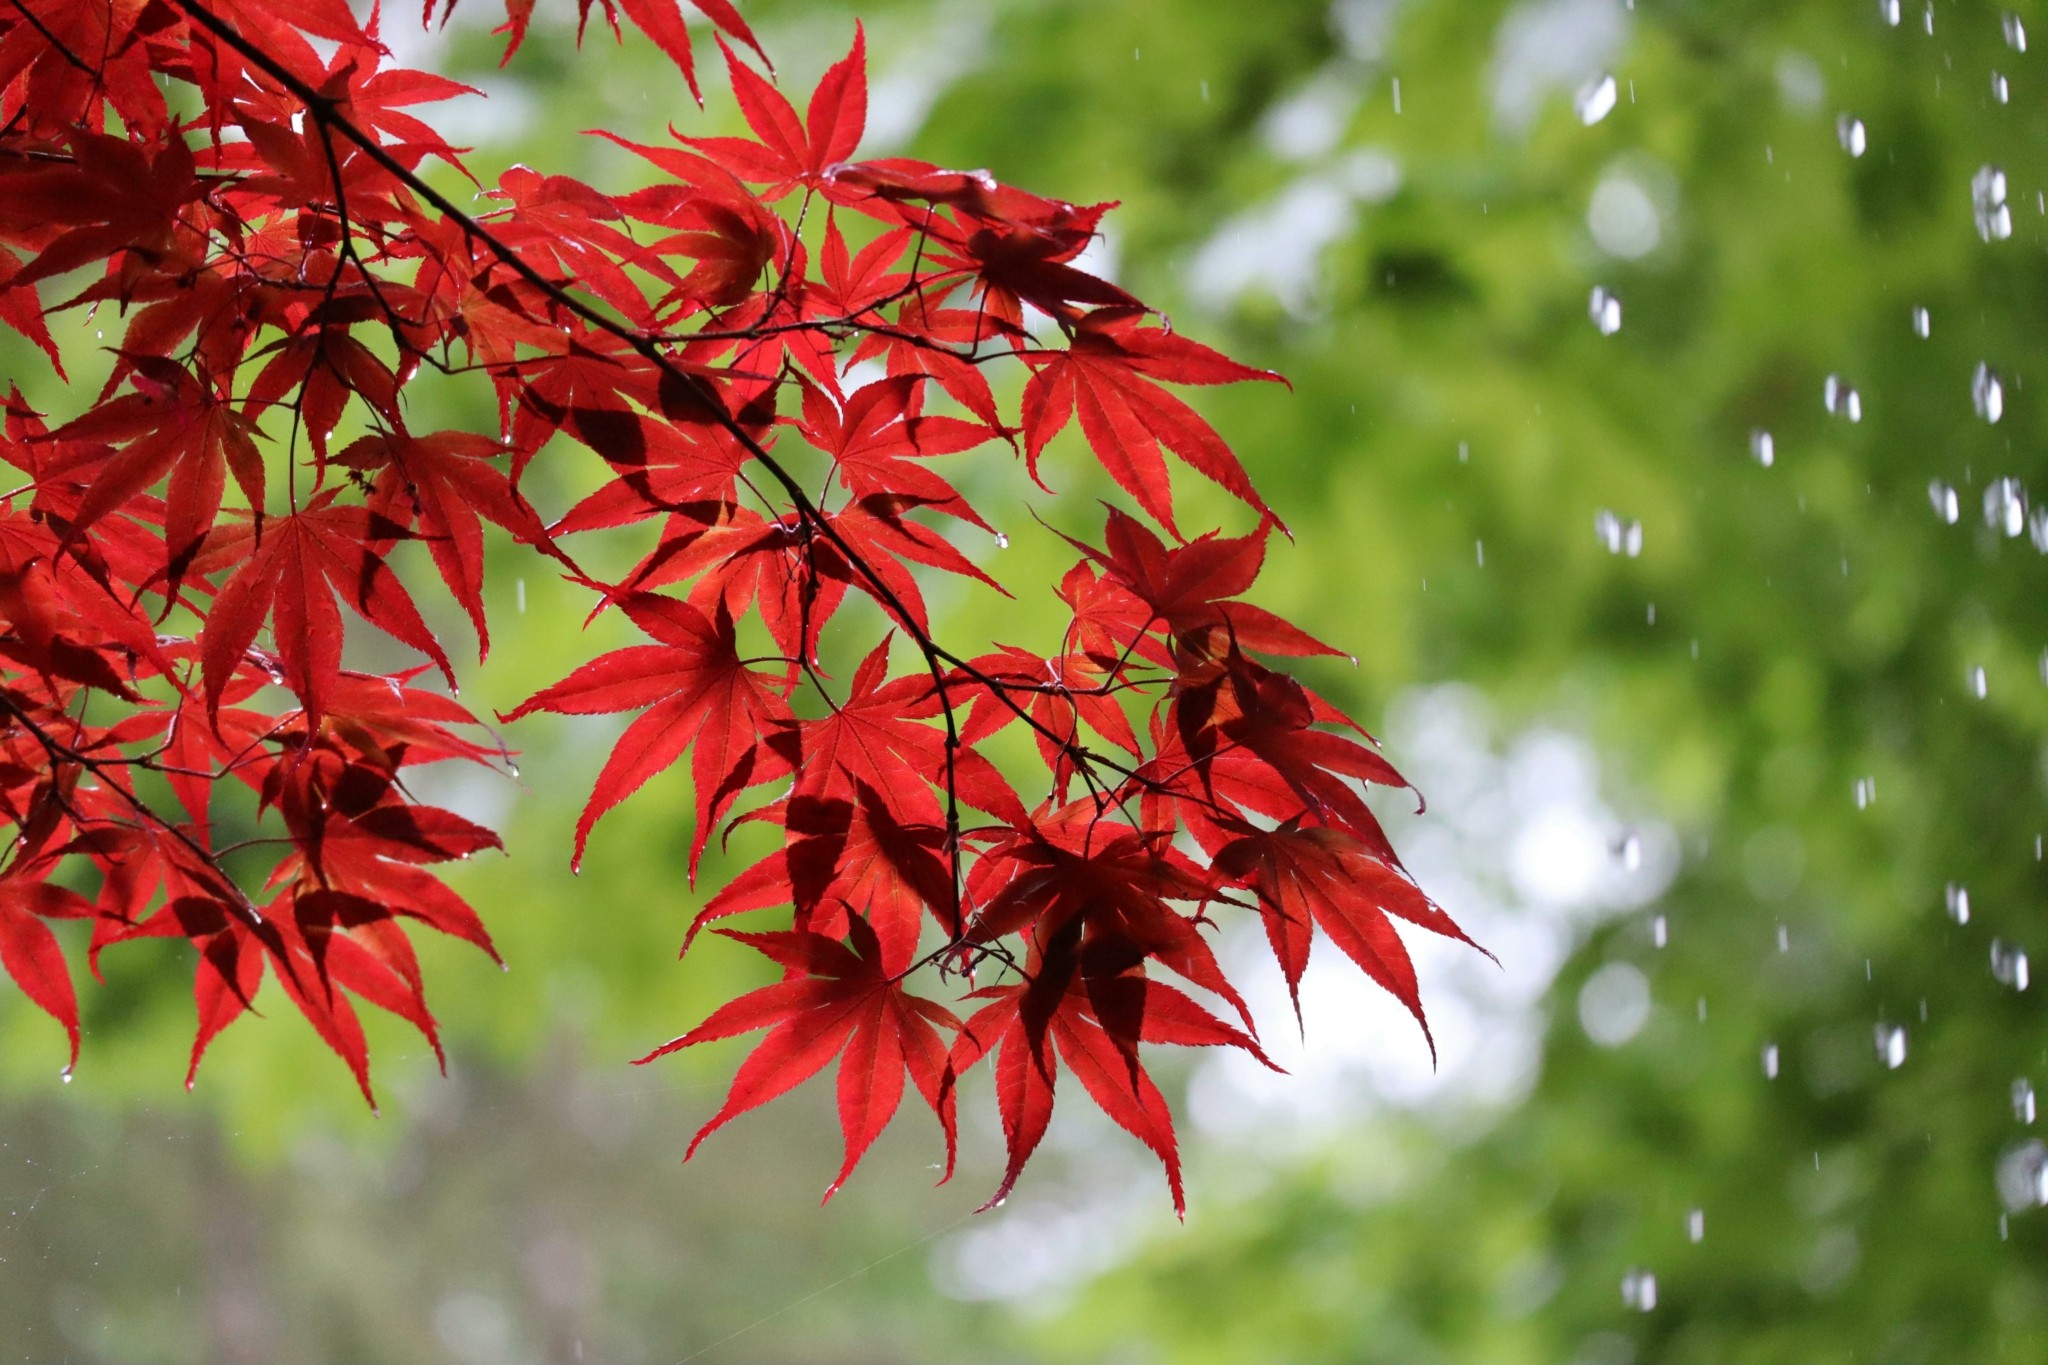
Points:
(1308, 878)
(174, 424)
(882, 739)
(699, 697)
(787, 151)
(845, 854)
(833, 1001)
(1091, 1015)
(445, 485)
(1108, 377)
(290, 574)
(29, 951)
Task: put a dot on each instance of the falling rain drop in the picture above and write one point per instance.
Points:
(2009, 964)
(2015, 33)
(1987, 202)
(1841, 399)
(1849, 132)
(1888, 10)
(1980, 686)
(1660, 931)
(1762, 448)
(2005, 506)
(2001, 93)
(1629, 849)
(519, 595)
(1639, 1290)
(1696, 1225)
(2037, 528)
(1958, 899)
(2023, 1100)
(1619, 535)
(1770, 1061)
(1784, 939)
(1987, 393)
(1946, 505)
(1595, 100)
(1927, 18)
(1923, 325)
(1891, 1045)
(1605, 310)
(1865, 791)
(2023, 1176)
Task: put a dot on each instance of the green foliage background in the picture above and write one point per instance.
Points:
(1785, 632)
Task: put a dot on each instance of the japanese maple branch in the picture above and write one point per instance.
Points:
(645, 345)
(324, 110)
(64, 753)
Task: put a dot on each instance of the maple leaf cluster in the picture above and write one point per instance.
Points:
(184, 752)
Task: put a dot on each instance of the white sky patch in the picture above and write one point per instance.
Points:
(1278, 246)
(1365, 27)
(1100, 257)
(952, 43)
(1310, 123)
